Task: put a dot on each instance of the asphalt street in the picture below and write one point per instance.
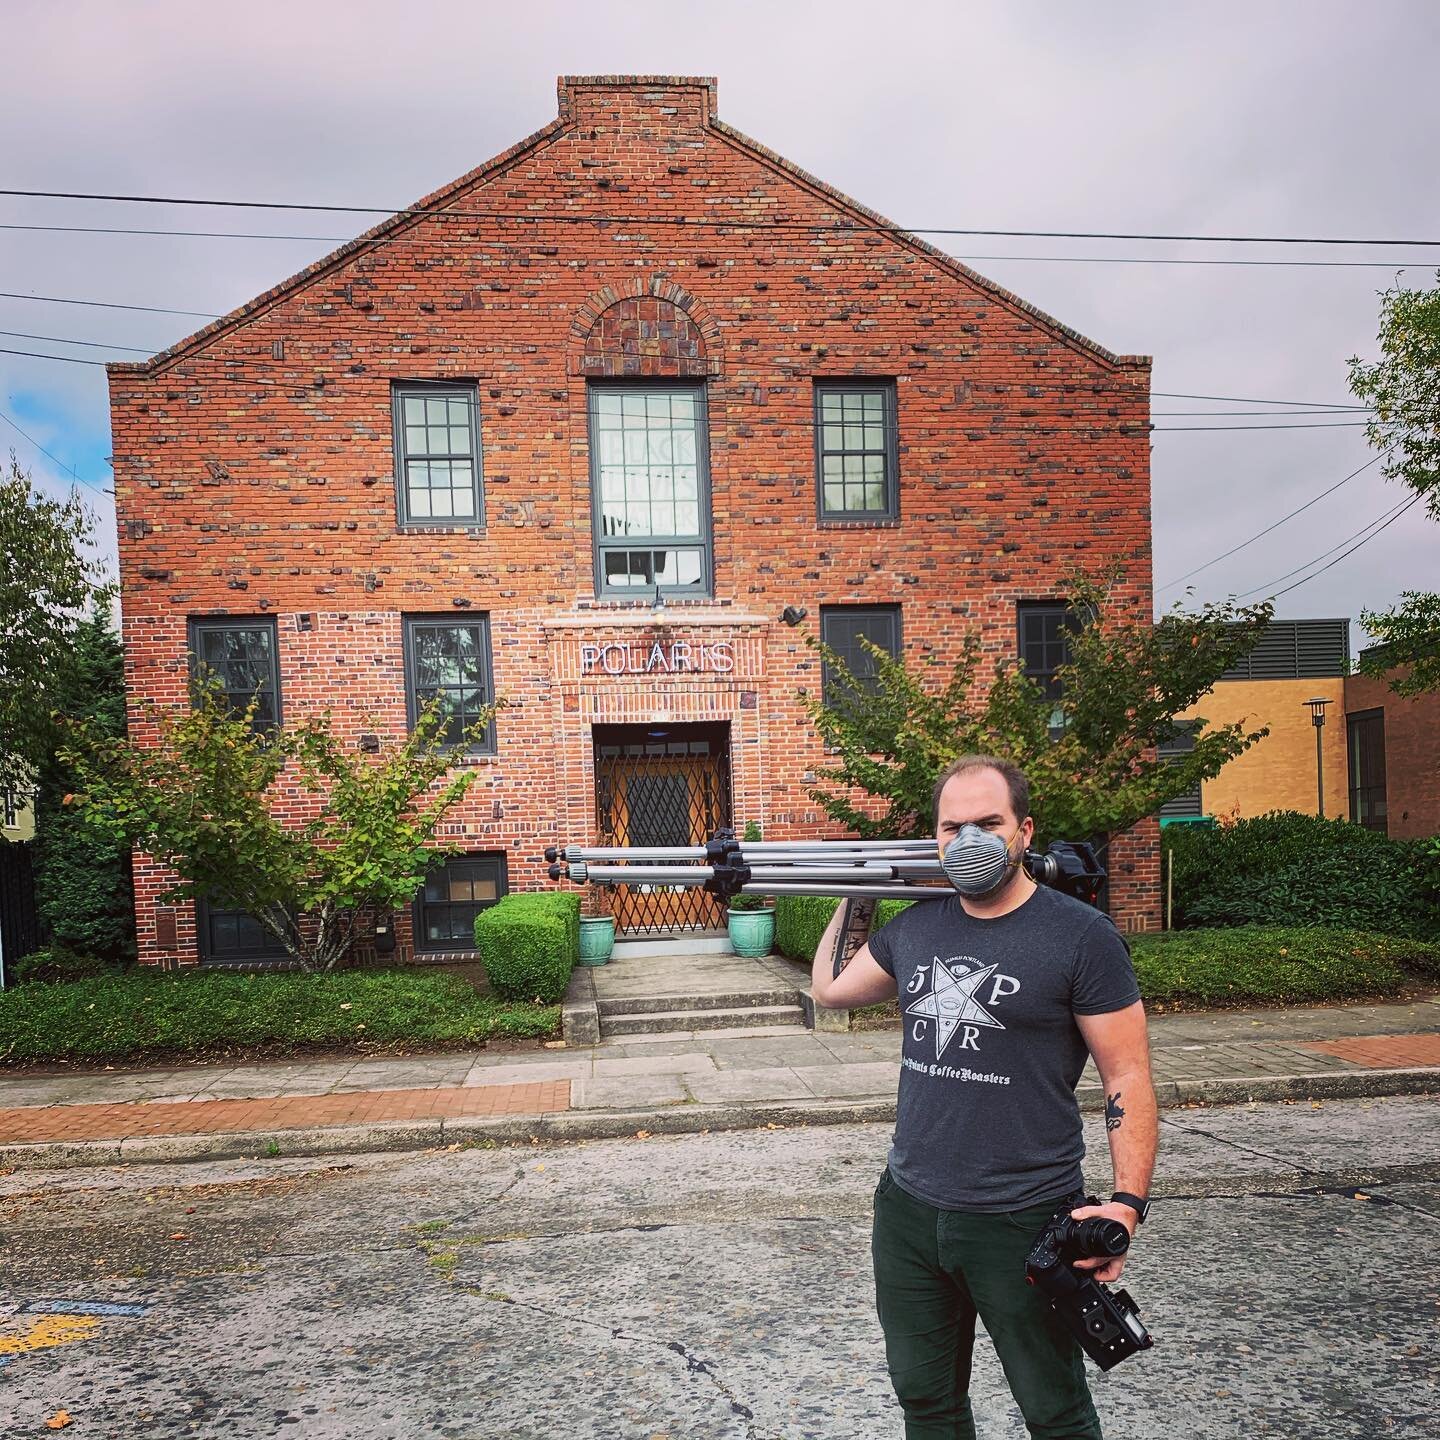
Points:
(694, 1288)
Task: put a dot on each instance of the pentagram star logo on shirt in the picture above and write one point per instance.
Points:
(952, 1003)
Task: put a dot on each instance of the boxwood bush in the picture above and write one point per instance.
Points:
(800, 921)
(142, 1014)
(1274, 965)
(530, 943)
(1285, 868)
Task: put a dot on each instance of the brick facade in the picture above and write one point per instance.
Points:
(1412, 751)
(255, 465)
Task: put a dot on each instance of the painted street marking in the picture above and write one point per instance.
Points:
(60, 1322)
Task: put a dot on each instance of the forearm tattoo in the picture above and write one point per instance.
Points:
(1113, 1113)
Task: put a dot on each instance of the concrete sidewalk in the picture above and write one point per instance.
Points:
(709, 1080)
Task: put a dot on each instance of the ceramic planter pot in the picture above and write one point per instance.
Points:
(597, 938)
(752, 932)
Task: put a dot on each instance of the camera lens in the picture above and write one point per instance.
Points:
(1099, 1236)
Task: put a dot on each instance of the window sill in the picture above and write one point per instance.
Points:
(421, 528)
(860, 522)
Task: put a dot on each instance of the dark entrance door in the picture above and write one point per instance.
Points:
(662, 785)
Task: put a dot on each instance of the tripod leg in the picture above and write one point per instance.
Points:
(855, 926)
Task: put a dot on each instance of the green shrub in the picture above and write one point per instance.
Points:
(1291, 869)
(56, 963)
(530, 943)
(749, 902)
(800, 921)
(1276, 965)
(140, 1014)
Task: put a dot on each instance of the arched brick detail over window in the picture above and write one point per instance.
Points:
(649, 330)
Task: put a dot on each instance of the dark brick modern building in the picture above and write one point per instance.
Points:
(578, 434)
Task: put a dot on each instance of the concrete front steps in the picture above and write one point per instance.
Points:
(661, 989)
(666, 1014)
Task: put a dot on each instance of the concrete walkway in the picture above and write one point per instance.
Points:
(715, 1079)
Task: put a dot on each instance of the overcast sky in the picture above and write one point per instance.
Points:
(1303, 118)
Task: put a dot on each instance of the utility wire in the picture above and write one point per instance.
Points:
(1308, 578)
(104, 304)
(1156, 394)
(69, 468)
(411, 212)
(1325, 554)
(979, 424)
(110, 345)
(1260, 534)
(741, 225)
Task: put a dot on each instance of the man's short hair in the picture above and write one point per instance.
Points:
(1013, 776)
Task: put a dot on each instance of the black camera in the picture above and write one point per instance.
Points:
(1070, 866)
(1105, 1322)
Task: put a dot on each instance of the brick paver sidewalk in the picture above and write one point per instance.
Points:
(34, 1123)
(1382, 1052)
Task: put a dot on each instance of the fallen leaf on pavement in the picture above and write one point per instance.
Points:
(642, 1134)
(179, 1235)
(58, 1421)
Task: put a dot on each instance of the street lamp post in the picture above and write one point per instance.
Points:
(1317, 718)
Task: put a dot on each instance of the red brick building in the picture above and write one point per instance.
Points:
(577, 435)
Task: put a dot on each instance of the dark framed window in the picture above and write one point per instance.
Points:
(1181, 742)
(450, 657)
(1365, 735)
(241, 656)
(843, 628)
(233, 935)
(437, 454)
(650, 489)
(453, 894)
(856, 450)
(1045, 628)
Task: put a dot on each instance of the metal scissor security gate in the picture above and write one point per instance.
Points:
(662, 786)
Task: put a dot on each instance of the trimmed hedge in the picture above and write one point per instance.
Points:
(1256, 964)
(530, 942)
(1285, 868)
(140, 1014)
(800, 921)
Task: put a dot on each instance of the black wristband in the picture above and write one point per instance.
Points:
(1139, 1206)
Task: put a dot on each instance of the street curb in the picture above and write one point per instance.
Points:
(681, 1119)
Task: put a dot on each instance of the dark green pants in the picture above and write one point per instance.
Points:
(934, 1271)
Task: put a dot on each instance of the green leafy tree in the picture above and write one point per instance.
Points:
(49, 579)
(83, 886)
(1090, 755)
(203, 801)
(1403, 388)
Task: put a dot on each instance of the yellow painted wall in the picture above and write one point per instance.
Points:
(1278, 772)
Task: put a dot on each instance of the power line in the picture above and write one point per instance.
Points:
(1251, 400)
(70, 468)
(742, 225)
(1260, 534)
(1134, 427)
(1308, 578)
(104, 304)
(88, 344)
(412, 212)
(1324, 554)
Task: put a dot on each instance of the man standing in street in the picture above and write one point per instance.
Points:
(1003, 988)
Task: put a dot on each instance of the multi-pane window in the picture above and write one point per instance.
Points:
(1045, 630)
(856, 451)
(844, 628)
(234, 935)
(651, 490)
(437, 455)
(450, 658)
(1180, 742)
(1366, 735)
(240, 657)
(453, 895)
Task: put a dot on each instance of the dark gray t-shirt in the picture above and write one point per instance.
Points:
(987, 1117)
